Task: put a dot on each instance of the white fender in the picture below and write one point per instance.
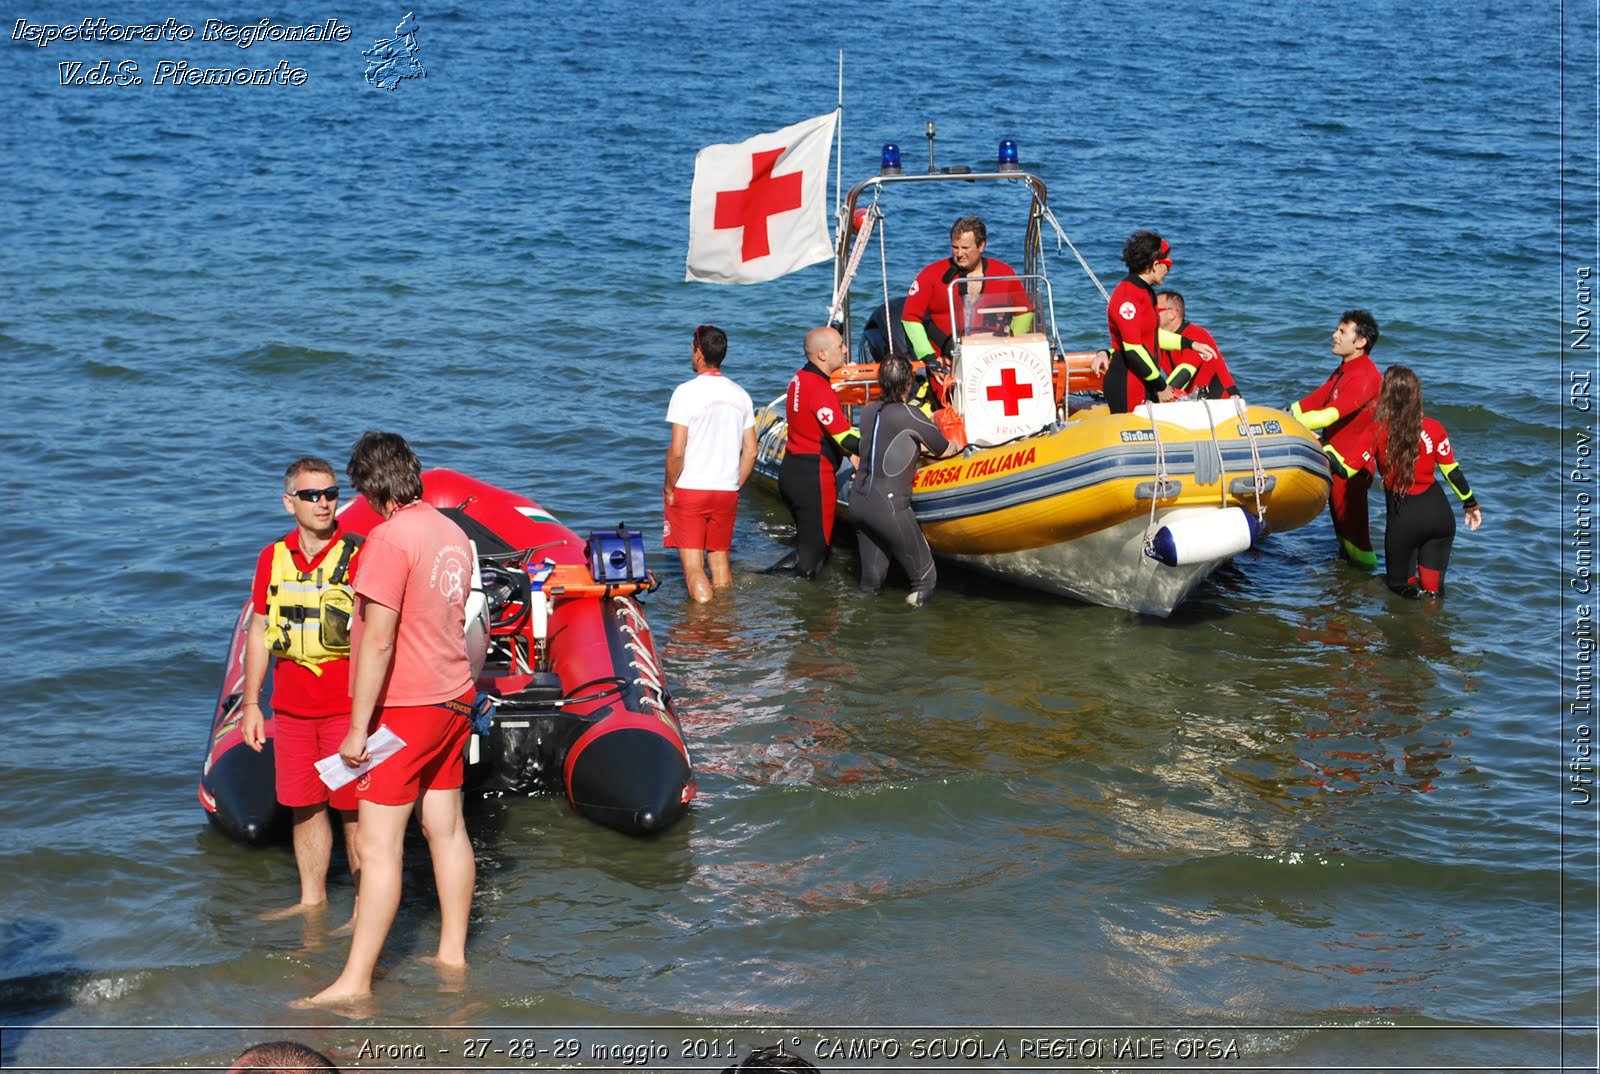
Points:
(1200, 538)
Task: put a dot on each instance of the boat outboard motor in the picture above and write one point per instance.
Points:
(527, 737)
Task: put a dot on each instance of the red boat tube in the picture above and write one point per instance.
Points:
(578, 702)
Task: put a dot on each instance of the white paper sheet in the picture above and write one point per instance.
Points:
(335, 773)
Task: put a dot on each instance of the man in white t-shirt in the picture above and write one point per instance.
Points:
(713, 451)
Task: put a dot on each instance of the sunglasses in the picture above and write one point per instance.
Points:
(1167, 261)
(330, 494)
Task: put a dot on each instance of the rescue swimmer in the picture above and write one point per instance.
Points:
(894, 434)
(1406, 446)
(820, 437)
(1341, 412)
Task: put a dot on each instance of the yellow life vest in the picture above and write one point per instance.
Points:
(308, 613)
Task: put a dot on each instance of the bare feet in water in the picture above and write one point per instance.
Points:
(299, 909)
(337, 995)
(452, 975)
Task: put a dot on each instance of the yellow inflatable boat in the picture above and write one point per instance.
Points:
(1054, 492)
(1086, 507)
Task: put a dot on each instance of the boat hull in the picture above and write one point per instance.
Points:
(1106, 567)
(1068, 510)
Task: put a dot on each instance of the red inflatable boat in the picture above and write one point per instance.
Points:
(577, 702)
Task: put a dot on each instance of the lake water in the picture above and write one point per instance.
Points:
(1303, 822)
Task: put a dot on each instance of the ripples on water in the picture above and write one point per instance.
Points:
(1300, 800)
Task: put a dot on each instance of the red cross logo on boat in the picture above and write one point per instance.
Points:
(767, 195)
(1009, 392)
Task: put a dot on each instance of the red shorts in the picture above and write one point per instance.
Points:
(298, 743)
(701, 518)
(432, 758)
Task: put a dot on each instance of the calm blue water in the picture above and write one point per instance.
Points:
(1301, 816)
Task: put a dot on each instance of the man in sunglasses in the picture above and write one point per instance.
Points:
(1133, 374)
(712, 452)
(301, 615)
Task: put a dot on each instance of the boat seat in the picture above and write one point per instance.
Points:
(490, 544)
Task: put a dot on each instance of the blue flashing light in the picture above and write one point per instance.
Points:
(1008, 156)
(891, 160)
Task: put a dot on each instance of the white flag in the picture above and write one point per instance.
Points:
(758, 209)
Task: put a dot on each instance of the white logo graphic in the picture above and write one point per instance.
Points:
(1007, 390)
(1126, 311)
(825, 415)
(916, 285)
(450, 576)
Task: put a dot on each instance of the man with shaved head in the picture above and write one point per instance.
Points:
(281, 1057)
(820, 437)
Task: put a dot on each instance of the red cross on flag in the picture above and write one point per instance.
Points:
(758, 209)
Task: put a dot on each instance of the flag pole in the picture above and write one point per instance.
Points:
(838, 159)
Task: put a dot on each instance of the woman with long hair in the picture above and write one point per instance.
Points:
(893, 434)
(1406, 448)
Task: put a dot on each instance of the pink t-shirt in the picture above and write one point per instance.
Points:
(420, 564)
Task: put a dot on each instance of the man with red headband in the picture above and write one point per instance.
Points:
(987, 283)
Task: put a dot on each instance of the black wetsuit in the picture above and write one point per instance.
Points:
(892, 435)
(877, 341)
(1421, 527)
(1416, 540)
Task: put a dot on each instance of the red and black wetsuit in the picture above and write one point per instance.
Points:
(1421, 527)
(811, 458)
(1190, 371)
(1343, 410)
(928, 301)
(1134, 375)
